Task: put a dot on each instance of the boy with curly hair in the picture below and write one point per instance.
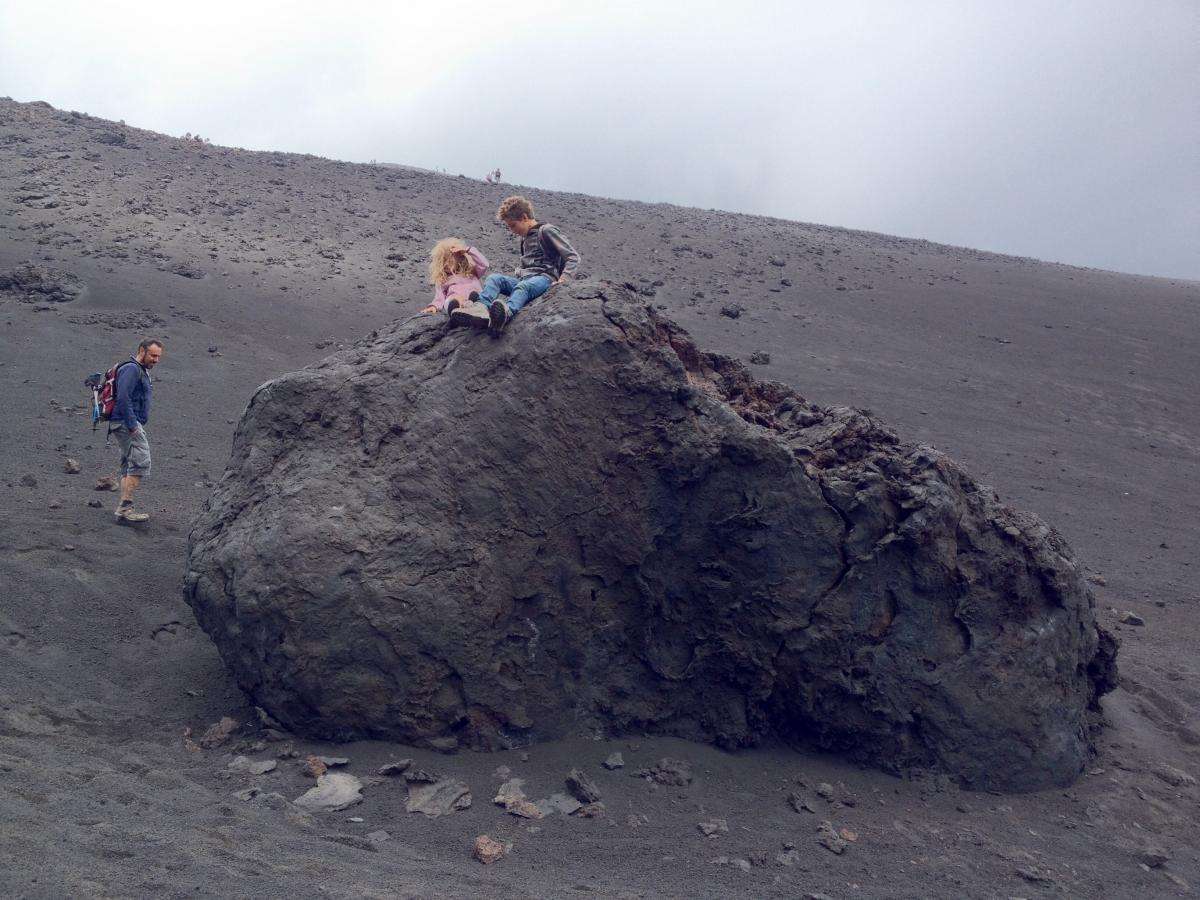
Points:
(547, 259)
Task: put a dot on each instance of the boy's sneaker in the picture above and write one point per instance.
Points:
(127, 516)
(452, 305)
(472, 315)
(499, 315)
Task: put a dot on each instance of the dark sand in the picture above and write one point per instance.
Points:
(1072, 391)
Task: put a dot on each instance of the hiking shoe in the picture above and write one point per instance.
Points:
(452, 304)
(498, 315)
(127, 516)
(473, 297)
(472, 315)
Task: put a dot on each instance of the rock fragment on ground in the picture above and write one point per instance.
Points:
(334, 791)
(393, 769)
(614, 761)
(668, 772)
(440, 798)
(248, 766)
(488, 850)
(581, 787)
(829, 838)
(218, 733)
(713, 827)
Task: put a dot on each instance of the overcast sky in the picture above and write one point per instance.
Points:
(1062, 129)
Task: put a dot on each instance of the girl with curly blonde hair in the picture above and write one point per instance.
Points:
(455, 270)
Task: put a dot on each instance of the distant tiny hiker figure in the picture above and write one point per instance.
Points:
(547, 259)
(130, 413)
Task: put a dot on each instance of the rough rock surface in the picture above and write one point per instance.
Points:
(32, 283)
(592, 526)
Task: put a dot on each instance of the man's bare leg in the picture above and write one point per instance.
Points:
(129, 484)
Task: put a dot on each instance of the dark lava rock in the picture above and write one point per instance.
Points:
(591, 527)
(40, 284)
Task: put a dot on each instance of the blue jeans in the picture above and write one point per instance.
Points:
(519, 292)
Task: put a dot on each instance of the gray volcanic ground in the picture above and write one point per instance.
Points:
(1071, 391)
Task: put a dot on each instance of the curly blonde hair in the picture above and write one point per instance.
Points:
(513, 209)
(448, 258)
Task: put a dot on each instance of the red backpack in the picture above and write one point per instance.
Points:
(104, 392)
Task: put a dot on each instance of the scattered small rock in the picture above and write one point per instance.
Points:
(798, 802)
(333, 762)
(248, 766)
(218, 733)
(1131, 618)
(72, 466)
(761, 358)
(713, 827)
(107, 483)
(488, 851)
(1034, 875)
(614, 761)
(828, 837)
(560, 803)
(590, 810)
(392, 769)
(378, 837)
(314, 767)
(511, 796)
(28, 481)
(1173, 776)
(824, 790)
(732, 310)
(668, 772)
(96, 504)
(758, 858)
(581, 787)
(1154, 857)
(788, 857)
(258, 795)
(438, 799)
(334, 791)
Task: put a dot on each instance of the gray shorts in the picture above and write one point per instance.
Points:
(135, 450)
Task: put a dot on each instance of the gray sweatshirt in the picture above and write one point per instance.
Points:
(563, 262)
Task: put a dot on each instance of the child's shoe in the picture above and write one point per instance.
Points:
(472, 315)
(498, 315)
(452, 305)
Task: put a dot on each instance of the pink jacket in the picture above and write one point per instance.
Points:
(457, 287)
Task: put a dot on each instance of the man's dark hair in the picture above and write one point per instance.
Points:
(148, 343)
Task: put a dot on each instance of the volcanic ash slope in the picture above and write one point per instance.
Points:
(591, 526)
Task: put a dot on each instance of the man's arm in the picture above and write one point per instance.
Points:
(565, 251)
(127, 377)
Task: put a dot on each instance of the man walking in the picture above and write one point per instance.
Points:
(131, 412)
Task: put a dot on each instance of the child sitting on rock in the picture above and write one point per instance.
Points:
(454, 272)
(547, 259)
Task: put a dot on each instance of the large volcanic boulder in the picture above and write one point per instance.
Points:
(590, 526)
